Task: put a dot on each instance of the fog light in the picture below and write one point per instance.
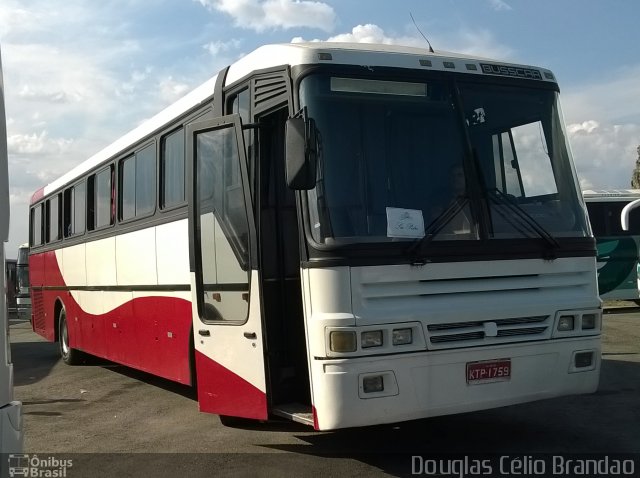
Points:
(589, 321)
(342, 341)
(373, 384)
(371, 338)
(565, 323)
(584, 359)
(402, 336)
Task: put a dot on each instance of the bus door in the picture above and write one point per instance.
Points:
(227, 326)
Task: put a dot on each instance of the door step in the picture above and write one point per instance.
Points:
(295, 411)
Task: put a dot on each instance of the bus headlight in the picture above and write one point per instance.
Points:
(342, 341)
(566, 323)
(589, 321)
(402, 336)
(371, 338)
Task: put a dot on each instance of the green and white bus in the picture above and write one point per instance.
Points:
(617, 248)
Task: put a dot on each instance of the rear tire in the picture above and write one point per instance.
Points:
(69, 356)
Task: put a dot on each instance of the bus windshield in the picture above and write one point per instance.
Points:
(22, 285)
(401, 160)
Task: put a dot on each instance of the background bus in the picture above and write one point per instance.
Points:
(11, 281)
(291, 237)
(617, 249)
(11, 433)
(22, 296)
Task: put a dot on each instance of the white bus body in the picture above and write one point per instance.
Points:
(11, 432)
(293, 243)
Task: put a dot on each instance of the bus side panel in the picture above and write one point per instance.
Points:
(36, 278)
(53, 279)
(149, 331)
(92, 330)
(239, 398)
(617, 261)
(163, 328)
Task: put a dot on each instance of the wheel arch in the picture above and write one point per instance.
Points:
(57, 308)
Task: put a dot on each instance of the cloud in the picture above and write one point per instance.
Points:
(217, 47)
(171, 90)
(261, 15)
(470, 42)
(500, 5)
(76, 78)
(603, 124)
(36, 144)
(604, 154)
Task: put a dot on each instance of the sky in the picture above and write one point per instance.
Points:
(80, 74)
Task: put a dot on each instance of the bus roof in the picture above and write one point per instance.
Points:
(610, 195)
(293, 54)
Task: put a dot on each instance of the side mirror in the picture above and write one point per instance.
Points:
(301, 153)
(624, 215)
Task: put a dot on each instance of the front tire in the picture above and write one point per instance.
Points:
(69, 356)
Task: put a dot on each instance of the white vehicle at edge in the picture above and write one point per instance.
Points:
(11, 433)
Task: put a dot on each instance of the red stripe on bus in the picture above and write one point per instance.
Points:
(223, 392)
(39, 194)
(151, 334)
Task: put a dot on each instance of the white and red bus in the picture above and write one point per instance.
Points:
(340, 234)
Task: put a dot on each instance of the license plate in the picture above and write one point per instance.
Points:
(488, 371)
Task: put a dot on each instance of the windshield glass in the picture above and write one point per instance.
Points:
(393, 165)
(519, 142)
(22, 270)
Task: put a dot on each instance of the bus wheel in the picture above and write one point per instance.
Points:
(69, 356)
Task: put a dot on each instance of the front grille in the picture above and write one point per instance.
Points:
(490, 332)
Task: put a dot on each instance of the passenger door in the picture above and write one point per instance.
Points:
(228, 334)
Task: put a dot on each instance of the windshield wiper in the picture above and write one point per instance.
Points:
(438, 224)
(502, 199)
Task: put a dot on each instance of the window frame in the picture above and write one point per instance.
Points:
(120, 190)
(32, 214)
(161, 170)
(47, 227)
(91, 184)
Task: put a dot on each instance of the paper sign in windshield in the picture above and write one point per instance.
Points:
(404, 222)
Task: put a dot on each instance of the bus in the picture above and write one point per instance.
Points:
(307, 237)
(11, 431)
(22, 296)
(10, 278)
(617, 248)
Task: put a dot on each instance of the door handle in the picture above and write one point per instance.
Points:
(204, 332)
(250, 335)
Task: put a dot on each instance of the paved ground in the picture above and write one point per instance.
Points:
(104, 408)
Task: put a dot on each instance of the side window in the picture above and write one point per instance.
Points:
(223, 222)
(74, 210)
(138, 184)
(36, 225)
(146, 181)
(127, 188)
(53, 219)
(172, 171)
(80, 208)
(100, 207)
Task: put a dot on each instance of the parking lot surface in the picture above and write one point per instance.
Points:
(115, 421)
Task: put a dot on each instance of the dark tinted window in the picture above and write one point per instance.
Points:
(172, 169)
(103, 198)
